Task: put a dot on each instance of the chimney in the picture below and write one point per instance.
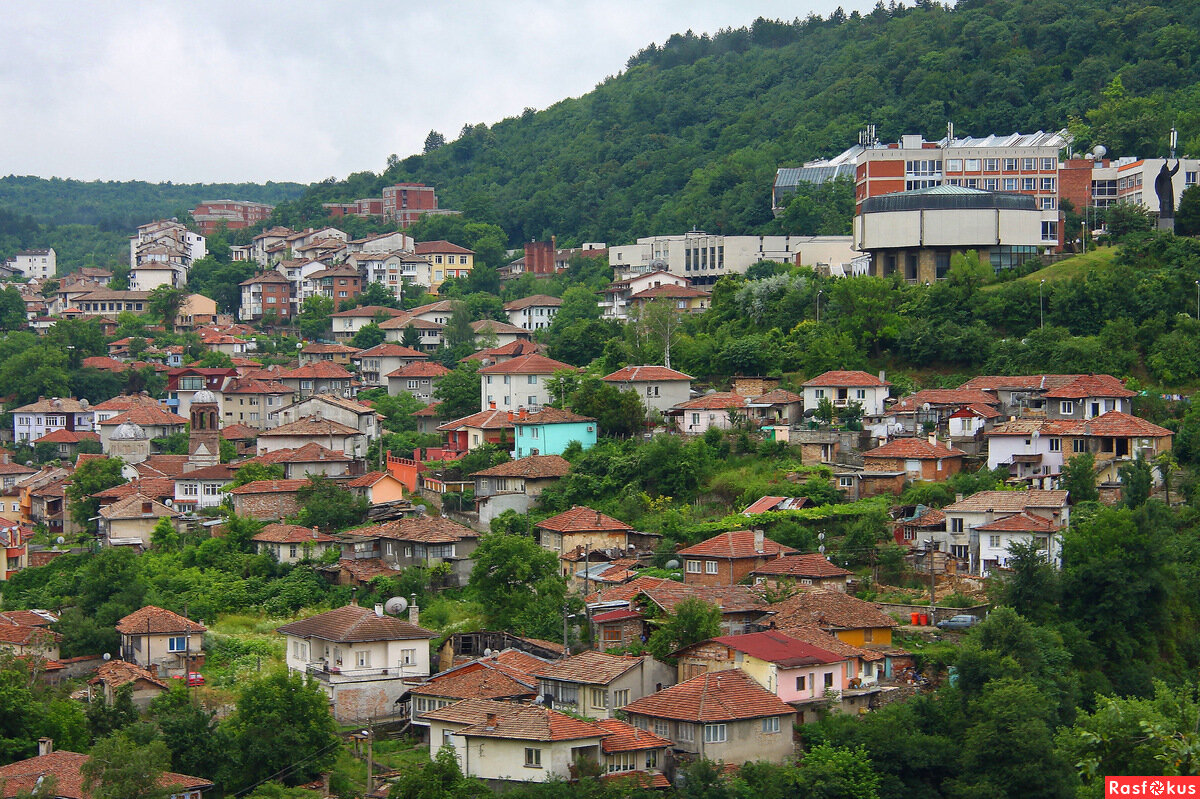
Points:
(354, 596)
(510, 416)
(882, 375)
(491, 406)
(153, 669)
(45, 746)
(958, 497)
(316, 533)
(379, 610)
(414, 612)
(491, 721)
(933, 439)
(758, 540)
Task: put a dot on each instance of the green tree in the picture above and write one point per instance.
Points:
(329, 506)
(518, 585)
(1125, 218)
(90, 478)
(164, 302)
(164, 536)
(1079, 478)
(120, 768)
(1136, 482)
(694, 620)
(369, 335)
(442, 778)
(190, 732)
(253, 472)
(617, 412)
(458, 392)
(105, 718)
(314, 316)
(1032, 585)
(833, 772)
(12, 310)
(410, 337)
(281, 728)
(458, 332)
(1187, 215)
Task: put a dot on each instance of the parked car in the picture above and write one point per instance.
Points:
(194, 678)
(959, 622)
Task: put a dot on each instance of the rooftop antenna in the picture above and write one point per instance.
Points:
(949, 132)
(1174, 140)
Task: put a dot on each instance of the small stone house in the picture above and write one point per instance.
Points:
(113, 674)
(728, 558)
(597, 684)
(291, 543)
(918, 458)
(162, 641)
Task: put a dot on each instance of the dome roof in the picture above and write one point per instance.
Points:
(204, 397)
(129, 432)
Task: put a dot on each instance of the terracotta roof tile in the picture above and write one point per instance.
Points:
(292, 534)
(390, 350)
(544, 300)
(318, 370)
(23, 635)
(625, 737)
(532, 723)
(420, 369)
(1009, 501)
(589, 667)
(512, 349)
(147, 417)
(850, 379)
(669, 290)
(828, 610)
(1122, 425)
(712, 697)
(270, 487)
(238, 432)
(329, 349)
(485, 327)
(368, 311)
(532, 467)
(780, 648)
(635, 374)
(1023, 522)
(66, 769)
(115, 673)
(311, 426)
(422, 529)
(552, 416)
(162, 466)
(527, 364)
(913, 448)
(440, 247)
(156, 620)
(364, 569)
(311, 452)
(65, 436)
(484, 420)
(582, 519)
(944, 396)
(138, 506)
(719, 401)
(808, 565)
(736, 544)
(480, 679)
(778, 396)
(353, 624)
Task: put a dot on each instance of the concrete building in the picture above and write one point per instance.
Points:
(35, 264)
(162, 641)
(518, 383)
(212, 215)
(658, 387)
(703, 258)
(550, 431)
(915, 233)
(533, 313)
(266, 294)
(598, 685)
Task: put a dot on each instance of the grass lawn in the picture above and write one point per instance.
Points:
(1074, 266)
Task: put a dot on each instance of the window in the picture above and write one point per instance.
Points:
(533, 757)
(990, 184)
(770, 724)
(1049, 164)
(1078, 445)
(800, 683)
(621, 698)
(363, 658)
(991, 164)
(1028, 184)
(599, 698)
(1047, 184)
(956, 525)
(710, 567)
(1010, 164)
(828, 679)
(845, 482)
(212, 489)
(652, 758)
(972, 164)
(176, 643)
(860, 393)
(533, 380)
(1050, 231)
(714, 733)
(994, 541)
(954, 165)
(1056, 445)
(531, 400)
(693, 567)
(661, 728)
(687, 732)
(1028, 164)
(190, 490)
(292, 551)
(1010, 184)
(1048, 203)
(819, 393)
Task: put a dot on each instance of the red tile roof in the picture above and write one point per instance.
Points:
(420, 369)
(735, 544)
(527, 364)
(423, 529)
(1009, 501)
(533, 723)
(115, 673)
(238, 432)
(625, 737)
(712, 697)
(389, 350)
(67, 437)
(582, 519)
(292, 534)
(669, 290)
(779, 648)
(913, 448)
(635, 374)
(24, 635)
(480, 679)
(429, 410)
(544, 300)
(484, 420)
(718, 400)
(485, 327)
(945, 396)
(589, 667)
(369, 311)
(270, 487)
(311, 452)
(532, 467)
(552, 416)
(828, 610)
(329, 349)
(440, 247)
(318, 370)
(354, 624)
(778, 396)
(512, 349)
(147, 417)
(311, 426)
(1116, 424)
(616, 615)
(66, 769)
(808, 565)
(1023, 522)
(839, 379)
(154, 620)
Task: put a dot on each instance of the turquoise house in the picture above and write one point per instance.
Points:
(549, 431)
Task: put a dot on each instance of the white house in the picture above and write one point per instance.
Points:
(533, 313)
(980, 528)
(843, 388)
(35, 264)
(360, 657)
(31, 422)
(614, 304)
(658, 387)
(518, 383)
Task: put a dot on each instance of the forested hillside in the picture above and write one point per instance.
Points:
(120, 206)
(692, 132)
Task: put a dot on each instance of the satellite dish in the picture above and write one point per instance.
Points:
(107, 656)
(539, 700)
(395, 606)
(487, 653)
(169, 502)
(60, 540)
(1099, 151)
(672, 564)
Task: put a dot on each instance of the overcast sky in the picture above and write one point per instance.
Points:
(255, 91)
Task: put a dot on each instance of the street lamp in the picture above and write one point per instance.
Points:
(1041, 312)
(1198, 300)
(819, 293)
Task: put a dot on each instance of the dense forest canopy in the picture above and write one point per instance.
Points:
(693, 131)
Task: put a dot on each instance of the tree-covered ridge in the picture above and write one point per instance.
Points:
(120, 206)
(693, 131)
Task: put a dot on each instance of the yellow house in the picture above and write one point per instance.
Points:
(850, 619)
(378, 487)
(130, 521)
(446, 261)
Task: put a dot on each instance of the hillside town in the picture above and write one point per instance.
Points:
(371, 494)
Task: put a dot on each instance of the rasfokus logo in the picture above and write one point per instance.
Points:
(1151, 786)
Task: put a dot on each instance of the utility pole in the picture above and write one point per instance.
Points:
(929, 550)
(370, 731)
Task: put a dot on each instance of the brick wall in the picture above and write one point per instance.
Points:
(266, 506)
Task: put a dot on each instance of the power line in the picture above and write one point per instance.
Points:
(290, 768)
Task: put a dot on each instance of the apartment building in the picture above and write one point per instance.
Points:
(210, 215)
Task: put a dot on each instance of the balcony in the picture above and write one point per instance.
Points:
(336, 674)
